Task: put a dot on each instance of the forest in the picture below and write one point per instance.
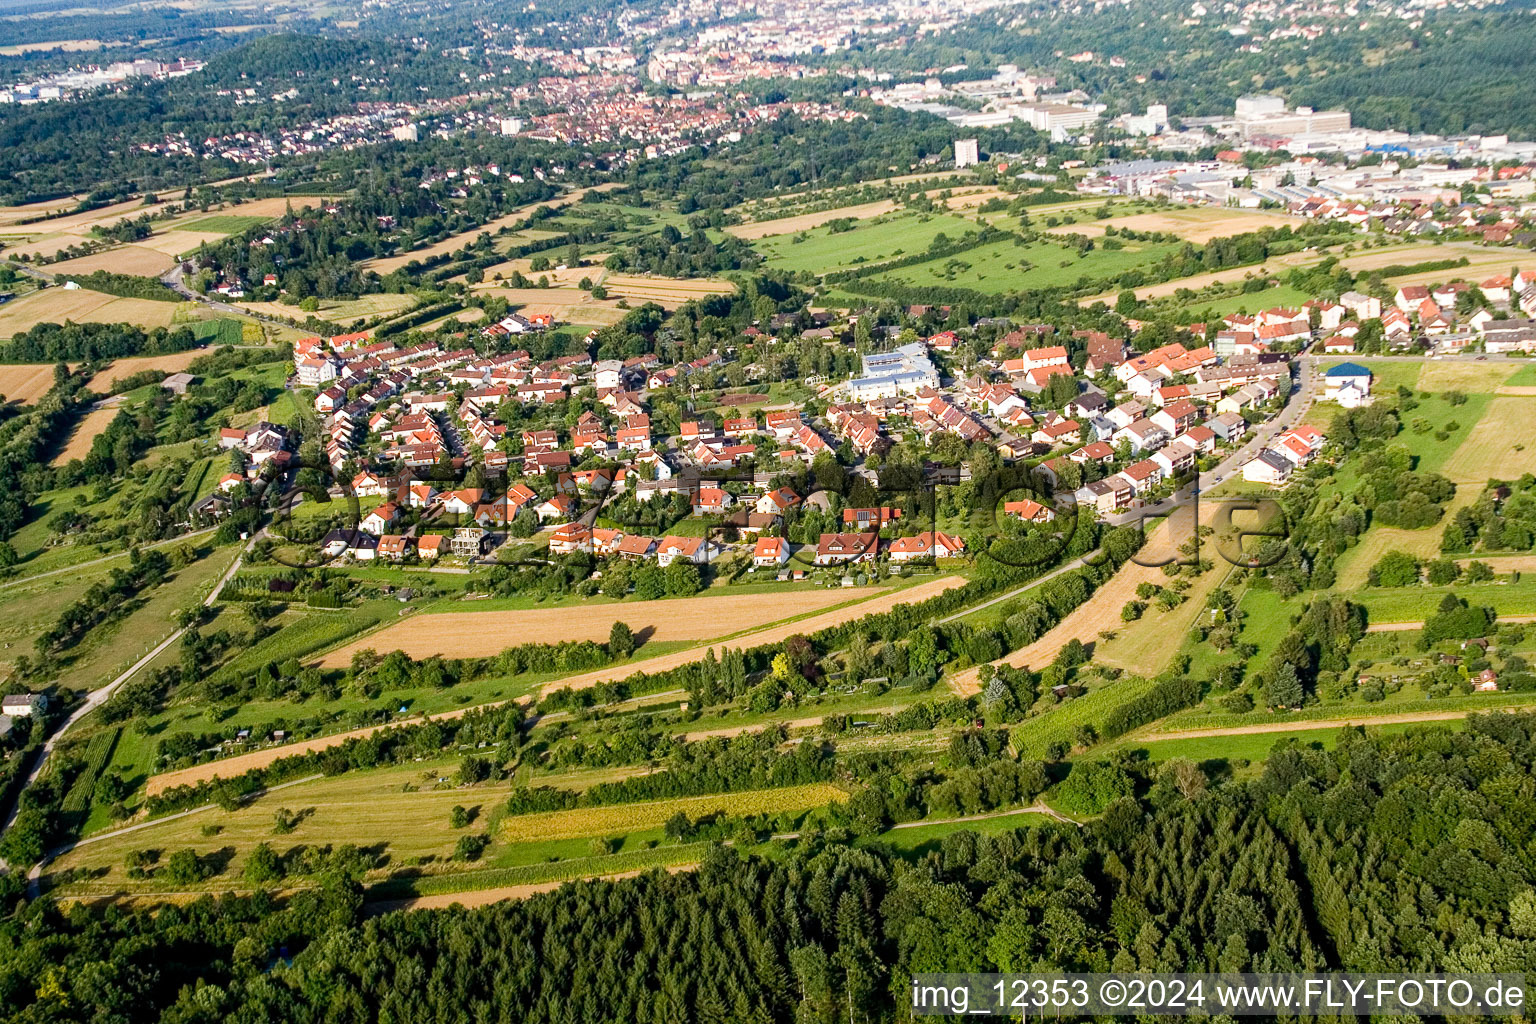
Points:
(1407, 852)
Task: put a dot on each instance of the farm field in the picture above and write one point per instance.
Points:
(25, 382)
(127, 366)
(807, 221)
(219, 223)
(1147, 646)
(362, 307)
(229, 767)
(1483, 447)
(1232, 275)
(1404, 607)
(91, 424)
(55, 305)
(141, 260)
(175, 244)
(969, 198)
(1501, 445)
(1256, 746)
(667, 292)
(408, 807)
(47, 237)
(1481, 263)
(477, 634)
(892, 235)
(1008, 266)
(113, 647)
(59, 45)
(1198, 224)
(619, 819)
(569, 305)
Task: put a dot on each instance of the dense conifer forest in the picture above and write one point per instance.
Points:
(1388, 853)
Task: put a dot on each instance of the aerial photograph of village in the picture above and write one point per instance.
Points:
(670, 511)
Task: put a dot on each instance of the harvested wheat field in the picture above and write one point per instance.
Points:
(25, 382)
(481, 634)
(665, 291)
(570, 277)
(1503, 563)
(175, 243)
(806, 221)
(568, 305)
(970, 199)
(55, 305)
(85, 432)
(57, 45)
(12, 214)
(884, 602)
(1200, 224)
(1101, 612)
(140, 260)
(1163, 289)
(341, 310)
(274, 206)
(44, 243)
(117, 369)
(772, 635)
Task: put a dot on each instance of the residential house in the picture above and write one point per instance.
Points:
(1106, 496)
(711, 501)
(570, 538)
(777, 502)
(846, 548)
(925, 545)
(698, 550)
(770, 552)
(380, 519)
(1268, 467)
(1028, 511)
(1349, 384)
(393, 547)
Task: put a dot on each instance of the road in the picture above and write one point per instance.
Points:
(1296, 406)
(96, 698)
(173, 279)
(1076, 563)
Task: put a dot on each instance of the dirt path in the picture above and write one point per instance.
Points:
(485, 897)
(1164, 289)
(1402, 627)
(1516, 390)
(231, 766)
(1329, 723)
(1502, 563)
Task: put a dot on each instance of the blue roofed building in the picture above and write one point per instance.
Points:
(902, 371)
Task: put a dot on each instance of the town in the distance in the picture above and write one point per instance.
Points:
(714, 512)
